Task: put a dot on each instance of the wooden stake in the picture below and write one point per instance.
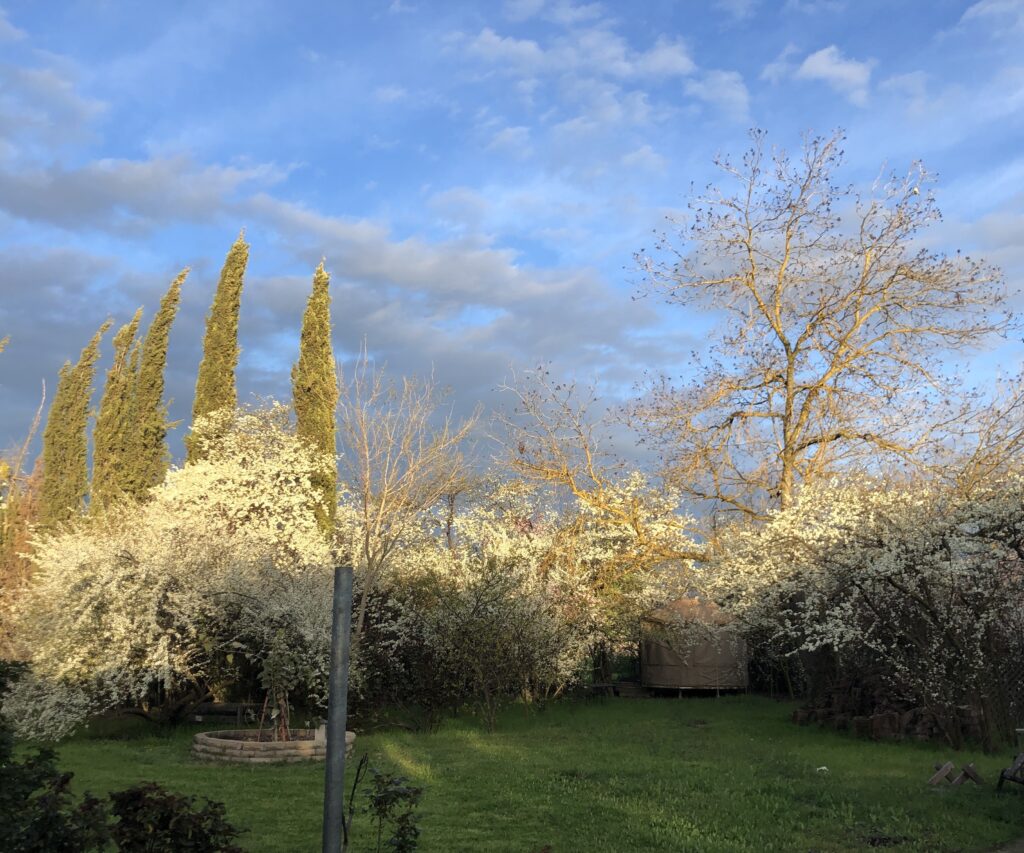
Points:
(942, 773)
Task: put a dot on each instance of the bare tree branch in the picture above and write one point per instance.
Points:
(400, 457)
(835, 327)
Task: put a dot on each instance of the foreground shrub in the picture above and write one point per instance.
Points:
(38, 813)
(392, 803)
(153, 820)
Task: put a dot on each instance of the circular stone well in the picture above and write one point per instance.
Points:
(250, 746)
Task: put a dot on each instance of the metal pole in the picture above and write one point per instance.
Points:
(337, 711)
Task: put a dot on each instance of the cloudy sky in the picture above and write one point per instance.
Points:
(478, 175)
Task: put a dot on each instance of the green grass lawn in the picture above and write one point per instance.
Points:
(729, 774)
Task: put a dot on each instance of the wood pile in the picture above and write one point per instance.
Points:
(871, 713)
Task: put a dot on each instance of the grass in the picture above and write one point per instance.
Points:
(729, 774)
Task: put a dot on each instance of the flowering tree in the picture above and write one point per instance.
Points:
(155, 603)
(509, 595)
(501, 621)
(622, 537)
(912, 580)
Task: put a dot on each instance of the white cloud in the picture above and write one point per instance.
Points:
(849, 77)
(737, 10)
(645, 158)
(462, 206)
(9, 32)
(601, 104)
(1004, 16)
(912, 87)
(512, 140)
(570, 14)
(813, 7)
(526, 88)
(488, 45)
(570, 316)
(127, 195)
(596, 51)
(780, 67)
(592, 51)
(42, 106)
(389, 94)
(520, 10)
(666, 59)
(562, 12)
(724, 90)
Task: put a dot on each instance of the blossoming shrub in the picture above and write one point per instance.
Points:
(509, 598)
(625, 556)
(472, 618)
(154, 603)
(221, 582)
(913, 584)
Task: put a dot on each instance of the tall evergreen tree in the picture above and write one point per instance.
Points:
(65, 440)
(149, 411)
(113, 437)
(315, 389)
(215, 384)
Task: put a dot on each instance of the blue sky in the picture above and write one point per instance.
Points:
(477, 175)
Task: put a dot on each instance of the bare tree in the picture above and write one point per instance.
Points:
(620, 532)
(834, 327)
(988, 444)
(400, 458)
(552, 437)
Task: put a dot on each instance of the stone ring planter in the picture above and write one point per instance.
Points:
(244, 746)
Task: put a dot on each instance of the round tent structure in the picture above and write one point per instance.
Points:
(692, 644)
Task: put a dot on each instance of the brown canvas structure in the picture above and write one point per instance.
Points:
(690, 645)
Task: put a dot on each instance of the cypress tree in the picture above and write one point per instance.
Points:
(113, 437)
(149, 412)
(315, 390)
(65, 441)
(215, 384)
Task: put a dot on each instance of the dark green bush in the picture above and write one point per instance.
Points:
(150, 819)
(39, 815)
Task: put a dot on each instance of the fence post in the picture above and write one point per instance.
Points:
(337, 712)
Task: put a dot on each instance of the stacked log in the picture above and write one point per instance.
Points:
(866, 709)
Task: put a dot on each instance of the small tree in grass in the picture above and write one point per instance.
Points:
(400, 456)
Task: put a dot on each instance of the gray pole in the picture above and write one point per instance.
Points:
(337, 711)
